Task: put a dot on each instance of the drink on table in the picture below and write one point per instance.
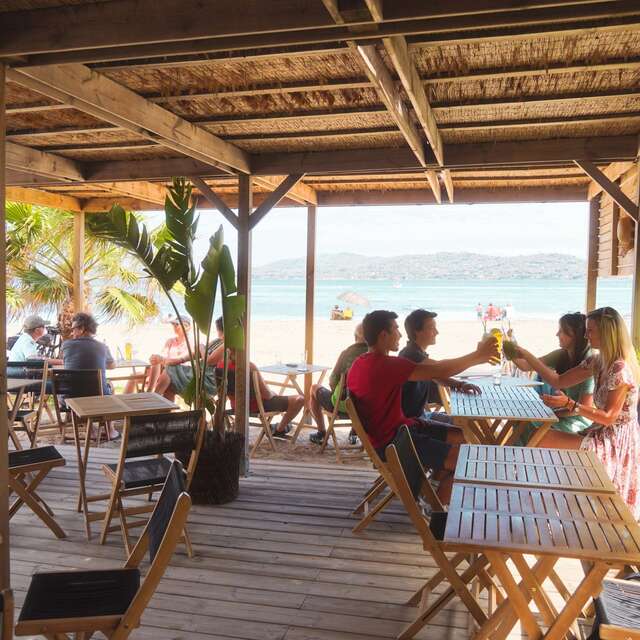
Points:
(128, 351)
(497, 374)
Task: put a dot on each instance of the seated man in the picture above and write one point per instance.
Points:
(375, 383)
(323, 398)
(290, 405)
(26, 346)
(83, 351)
(421, 329)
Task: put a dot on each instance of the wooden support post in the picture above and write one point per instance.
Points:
(243, 375)
(309, 293)
(635, 305)
(592, 254)
(615, 216)
(5, 574)
(78, 262)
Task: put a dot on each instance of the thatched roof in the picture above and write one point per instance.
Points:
(576, 77)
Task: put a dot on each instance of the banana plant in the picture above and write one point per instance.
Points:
(173, 266)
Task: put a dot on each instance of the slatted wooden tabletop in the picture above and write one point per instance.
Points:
(507, 403)
(293, 369)
(16, 384)
(548, 468)
(117, 406)
(593, 527)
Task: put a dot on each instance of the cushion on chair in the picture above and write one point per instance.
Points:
(438, 524)
(619, 603)
(33, 456)
(142, 473)
(79, 594)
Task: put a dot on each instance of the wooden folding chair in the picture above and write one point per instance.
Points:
(27, 469)
(110, 601)
(6, 614)
(28, 420)
(136, 473)
(337, 418)
(76, 383)
(412, 485)
(377, 497)
(265, 418)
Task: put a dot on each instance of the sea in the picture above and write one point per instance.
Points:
(451, 299)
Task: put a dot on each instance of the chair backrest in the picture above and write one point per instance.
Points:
(411, 482)
(76, 383)
(160, 537)
(29, 368)
(6, 615)
(361, 432)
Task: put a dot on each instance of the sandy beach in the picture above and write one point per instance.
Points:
(274, 341)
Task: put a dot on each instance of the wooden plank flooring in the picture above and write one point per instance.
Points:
(279, 563)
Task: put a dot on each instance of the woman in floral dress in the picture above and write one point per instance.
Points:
(614, 435)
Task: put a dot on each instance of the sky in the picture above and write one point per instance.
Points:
(507, 229)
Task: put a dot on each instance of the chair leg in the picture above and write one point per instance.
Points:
(376, 488)
(109, 513)
(372, 513)
(187, 543)
(123, 526)
(23, 493)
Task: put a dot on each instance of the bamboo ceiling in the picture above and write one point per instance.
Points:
(500, 73)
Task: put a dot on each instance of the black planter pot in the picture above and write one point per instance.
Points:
(217, 475)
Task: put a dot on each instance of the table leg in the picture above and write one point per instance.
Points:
(82, 500)
(305, 418)
(539, 433)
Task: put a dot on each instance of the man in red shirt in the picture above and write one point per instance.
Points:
(375, 384)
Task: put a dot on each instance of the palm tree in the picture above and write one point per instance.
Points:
(40, 271)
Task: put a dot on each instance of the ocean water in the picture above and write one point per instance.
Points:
(452, 299)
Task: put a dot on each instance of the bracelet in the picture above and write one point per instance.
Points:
(566, 404)
(575, 407)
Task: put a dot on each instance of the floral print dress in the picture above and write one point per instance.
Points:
(617, 445)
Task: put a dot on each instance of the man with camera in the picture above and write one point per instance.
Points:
(26, 346)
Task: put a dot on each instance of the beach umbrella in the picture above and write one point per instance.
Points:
(351, 297)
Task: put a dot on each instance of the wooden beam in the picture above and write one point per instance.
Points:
(43, 198)
(78, 262)
(41, 163)
(614, 171)
(215, 200)
(5, 561)
(153, 169)
(399, 53)
(274, 198)
(613, 267)
(592, 255)
(434, 183)
(448, 183)
(310, 288)
(140, 190)
(300, 192)
(243, 370)
(635, 302)
(103, 98)
(610, 187)
(401, 18)
(98, 205)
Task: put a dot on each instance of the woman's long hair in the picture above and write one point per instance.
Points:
(574, 324)
(615, 342)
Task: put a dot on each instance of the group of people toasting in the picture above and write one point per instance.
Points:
(591, 382)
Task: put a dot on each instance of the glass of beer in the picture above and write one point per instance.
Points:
(128, 351)
(497, 334)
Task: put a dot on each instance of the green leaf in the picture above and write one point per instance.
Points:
(200, 299)
(116, 303)
(233, 312)
(227, 272)
(189, 396)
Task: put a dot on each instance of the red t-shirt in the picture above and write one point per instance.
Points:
(375, 382)
(231, 385)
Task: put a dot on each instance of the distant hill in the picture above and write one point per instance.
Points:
(352, 266)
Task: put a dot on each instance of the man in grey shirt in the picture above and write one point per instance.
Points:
(83, 351)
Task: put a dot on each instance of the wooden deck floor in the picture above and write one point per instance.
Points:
(280, 563)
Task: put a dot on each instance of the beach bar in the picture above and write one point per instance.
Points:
(312, 103)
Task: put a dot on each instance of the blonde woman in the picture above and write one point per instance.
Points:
(614, 435)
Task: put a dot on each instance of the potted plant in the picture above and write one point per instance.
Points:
(171, 263)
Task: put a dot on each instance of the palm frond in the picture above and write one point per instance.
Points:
(116, 304)
(39, 288)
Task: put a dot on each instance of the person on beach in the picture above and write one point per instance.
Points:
(574, 349)
(323, 398)
(479, 311)
(289, 405)
(614, 434)
(375, 383)
(421, 329)
(177, 375)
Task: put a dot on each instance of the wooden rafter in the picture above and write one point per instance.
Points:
(614, 171)
(298, 192)
(616, 193)
(273, 199)
(145, 33)
(43, 198)
(448, 183)
(140, 190)
(41, 163)
(107, 100)
(215, 200)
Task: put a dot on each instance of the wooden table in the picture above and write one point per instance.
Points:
(498, 413)
(17, 386)
(512, 522)
(113, 407)
(482, 380)
(564, 469)
(132, 364)
(291, 374)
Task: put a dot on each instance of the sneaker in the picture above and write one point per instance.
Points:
(282, 433)
(353, 438)
(317, 437)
